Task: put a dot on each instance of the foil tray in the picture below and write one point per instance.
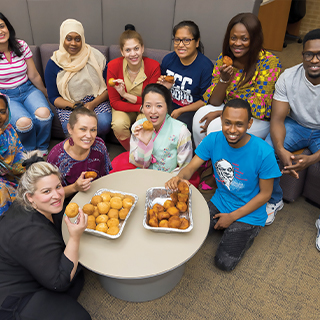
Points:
(122, 222)
(160, 195)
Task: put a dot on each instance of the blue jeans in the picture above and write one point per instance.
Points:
(24, 101)
(297, 137)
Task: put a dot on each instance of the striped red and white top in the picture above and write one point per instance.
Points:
(14, 73)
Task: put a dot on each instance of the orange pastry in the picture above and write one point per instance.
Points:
(183, 187)
(174, 197)
(113, 213)
(112, 222)
(182, 197)
(88, 209)
(103, 207)
(184, 223)
(153, 222)
(169, 79)
(72, 210)
(113, 230)
(174, 222)
(102, 227)
(147, 125)
(164, 224)
(96, 212)
(157, 207)
(116, 203)
(168, 204)
(102, 218)
(163, 215)
(95, 200)
(182, 206)
(91, 219)
(123, 213)
(127, 203)
(173, 211)
(227, 60)
(90, 174)
(106, 196)
(112, 82)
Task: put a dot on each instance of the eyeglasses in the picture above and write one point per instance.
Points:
(186, 42)
(308, 55)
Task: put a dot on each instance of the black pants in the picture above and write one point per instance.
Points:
(46, 305)
(235, 241)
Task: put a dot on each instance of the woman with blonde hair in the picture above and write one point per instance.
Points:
(40, 276)
(75, 75)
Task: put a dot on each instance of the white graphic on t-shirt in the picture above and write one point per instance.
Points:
(225, 172)
(180, 95)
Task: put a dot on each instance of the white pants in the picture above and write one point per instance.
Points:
(259, 128)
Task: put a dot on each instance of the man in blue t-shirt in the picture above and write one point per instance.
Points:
(244, 169)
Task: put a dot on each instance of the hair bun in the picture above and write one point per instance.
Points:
(33, 159)
(129, 26)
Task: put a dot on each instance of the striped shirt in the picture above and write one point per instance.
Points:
(14, 73)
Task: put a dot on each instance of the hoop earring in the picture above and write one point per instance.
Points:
(71, 142)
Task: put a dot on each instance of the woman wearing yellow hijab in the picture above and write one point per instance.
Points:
(76, 73)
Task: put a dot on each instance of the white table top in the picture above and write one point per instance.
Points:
(140, 253)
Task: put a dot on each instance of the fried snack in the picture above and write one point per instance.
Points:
(116, 203)
(147, 125)
(113, 222)
(163, 215)
(182, 206)
(91, 219)
(182, 197)
(103, 207)
(103, 218)
(72, 210)
(130, 197)
(96, 212)
(91, 225)
(174, 197)
(169, 79)
(119, 195)
(90, 174)
(174, 222)
(184, 223)
(113, 230)
(168, 204)
(112, 82)
(102, 227)
(227, 60)
(183, 187)
(157, 207)
(106, 196)
(123, 213)
(113, 213)
(88, 209)
(173, 211)
(127, 203)
(95, 200)
(153, 222)
(164, 224)
(153, 214)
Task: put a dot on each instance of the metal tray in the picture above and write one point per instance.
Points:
(160, 195)
(122, 222)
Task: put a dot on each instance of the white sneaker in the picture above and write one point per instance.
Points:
(272, 210)
(318, 234)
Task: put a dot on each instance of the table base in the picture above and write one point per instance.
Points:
(140, 290)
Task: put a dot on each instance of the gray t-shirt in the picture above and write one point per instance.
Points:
(303, 97)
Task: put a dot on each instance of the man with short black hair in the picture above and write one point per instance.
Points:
(295, 120)
(244, 168)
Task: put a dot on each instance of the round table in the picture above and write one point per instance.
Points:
(141, 264)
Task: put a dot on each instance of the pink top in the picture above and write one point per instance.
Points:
(14, 73)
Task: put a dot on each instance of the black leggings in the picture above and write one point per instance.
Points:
(46, 305)
(235, 241)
